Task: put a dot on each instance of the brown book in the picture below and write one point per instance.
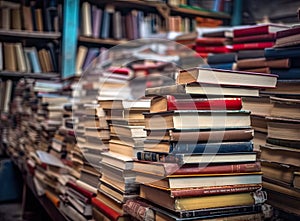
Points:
(259, 106)
(20, 57)
(283, 128)
(166, 169)
(266, 70)
(263, 62)
(42, 60)
(278, 154)
(10, 63)
(16, 22)
(163, 198)
(39, 19)
(5, 18)
(259, 123)
(27, 18)
(277, 171)
(287, 190)
(288, 41)
(284, 107)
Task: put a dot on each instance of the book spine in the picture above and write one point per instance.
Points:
(227, 135)
(250, 31)
(109, 212)
(205, 104)
(282, 53)
(210, 41)
(248, 46)
(52, 197)
(212, 49)
(138, 209)
(230, 211)
(223, 147)
(254, 38)
(81, 190)
(218, 169)
(285, 143)
(230, 189)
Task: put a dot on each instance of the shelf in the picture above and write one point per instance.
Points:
(8, 74)
(132, 3)
(194, 12)
(30, 34)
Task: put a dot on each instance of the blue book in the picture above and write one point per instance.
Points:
(33, 59)
(282, 52)
(221, 58)
(91, 55)
(287, 74)
(225, 66)
(198, 148)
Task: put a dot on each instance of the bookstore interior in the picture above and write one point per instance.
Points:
(145, 110)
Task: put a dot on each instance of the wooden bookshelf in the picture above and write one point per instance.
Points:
(194, 12)
(45, 76)
(30, 34)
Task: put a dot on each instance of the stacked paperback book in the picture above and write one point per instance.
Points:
(198, 160)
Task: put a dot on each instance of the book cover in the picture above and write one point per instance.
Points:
(254, 38)
(287, 32)
(97, 20)
(10, 63)
(221, 58)
(211, 41)
(197, 148)
(225, 66)
(286, 74)
(169, 102)
(251, 46)
(246, 54)
(262, 62)
(108, 211)
(86, 23)
(274, 53)
(257, 29)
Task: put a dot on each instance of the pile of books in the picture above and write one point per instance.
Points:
(280, 153)
(198, 160)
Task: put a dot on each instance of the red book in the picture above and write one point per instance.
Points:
(211, 49)
(251, 46)
(169, 103)
(257, 29)
(167, 169)
(81, 190)
(208, 191)
(255, 38)
(109, 212)
(288, 32)
(211, 41)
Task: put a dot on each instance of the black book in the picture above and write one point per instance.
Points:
(221, 58)
(250, 54)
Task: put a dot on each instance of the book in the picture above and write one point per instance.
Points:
(289, 41)
(262, 62)
(16, 23)
(39, 19)
(255, 38)
(201, 89)
(296, 180)
(197, 148)
(201, 135)
(169, 103)
(212, 49)
(287, 32)
(286, 74)
(86, 23)
(279, 172)
(108, 211)
(197, 119)
(34, 59)
(90, 56)
(274, 53)
(198, 158)
(278, 154)
(211, 41)
(127, 130)
(166, 169)
(193, 203)
(139, 209)
(106, 21)
(71, 212)
(117, 160)
(221, 58)
(246, 54)
(285, 107)
(27, 18)
(250, 46)
(96, 23)
(10, 63)
(283, 128)
(161, 215)
(225, 66)
(226, 77)
(256, 29)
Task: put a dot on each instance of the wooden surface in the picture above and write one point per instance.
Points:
(30, 34)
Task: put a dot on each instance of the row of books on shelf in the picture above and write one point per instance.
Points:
(15, 57)
(38, 16)
(111, 22)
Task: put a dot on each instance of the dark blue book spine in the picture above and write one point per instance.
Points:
(105, 25)
(224, 147)
(282, 52)
(225, 66)
(221, 58)
(287, 74)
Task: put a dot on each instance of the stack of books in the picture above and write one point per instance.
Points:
(280, 153)
(198, 158)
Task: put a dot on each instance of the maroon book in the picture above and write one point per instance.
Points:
(258, 29)
(288, 32)
(255, 38)
(109, 212)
